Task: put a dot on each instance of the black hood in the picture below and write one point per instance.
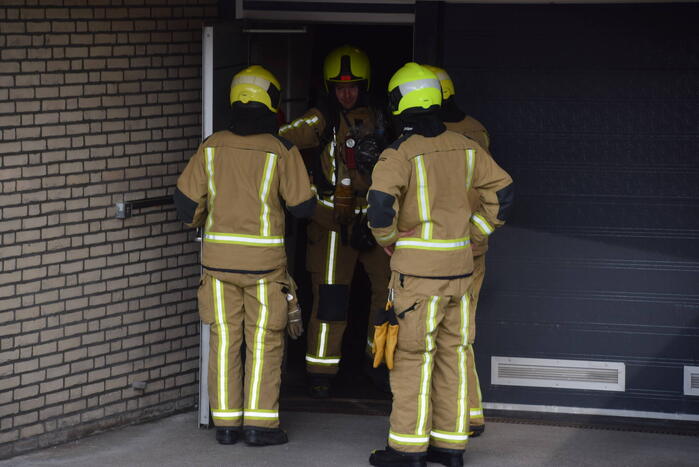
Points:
(450, 111)
(252, 119)
(424, 123)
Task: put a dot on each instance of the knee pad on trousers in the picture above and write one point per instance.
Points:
(333, 301)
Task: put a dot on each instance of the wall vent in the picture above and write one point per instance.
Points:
(564, 374)
(691, 380)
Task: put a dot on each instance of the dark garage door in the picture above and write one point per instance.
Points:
(594, 110)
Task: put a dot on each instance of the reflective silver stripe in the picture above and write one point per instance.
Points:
(268, 175)
(423, 198)
(425, 374)
(332, 256)
(482, 224)
(227, 414)
(475, 412)
(258, 350)
(323, 340)
(408, 439)
(252, 240)
(470, 161)
(212, 186)
(333, 144)
(326, 360)
(298, 122)
(449, 436)
(425, 83)
(454, 244)
(249, 79)
(330, 204)
(462, 401)
(220, 311)
(261, 414)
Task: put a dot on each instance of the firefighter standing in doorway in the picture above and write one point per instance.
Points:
(419, 211)
(233, 187)
(338, 237)
(456, 120)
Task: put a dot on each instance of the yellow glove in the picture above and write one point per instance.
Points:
(385, 335)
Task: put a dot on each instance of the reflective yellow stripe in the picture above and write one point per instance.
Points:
(330, 204)
(423, 198)
(227, 414)
(470, 161)
(323, 339)
(332, 258)
(261, 414)
(410, 440)
(317, 360)
(449, 437)
(462, 395)
(267, 176)
(386, 238)
(209, 152)
(258, 350)
(298, 122)
(220, 311)
(426, 373)
(438, 245)
(482, 224)
(240, 239)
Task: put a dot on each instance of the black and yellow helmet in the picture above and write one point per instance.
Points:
(255, 84)
(346, 64)
(415, 89)
(444, 80)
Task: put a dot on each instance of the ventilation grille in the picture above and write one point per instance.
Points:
(691, 380)
(565, 374)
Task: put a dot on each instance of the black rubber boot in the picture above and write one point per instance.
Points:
(264, 436)
(318, 386)
(389, 457)
(476, 431)
(227, 435)
(448, 457)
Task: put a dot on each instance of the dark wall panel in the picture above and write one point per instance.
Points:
(594, 110)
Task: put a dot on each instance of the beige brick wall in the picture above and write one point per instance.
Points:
(99, 102)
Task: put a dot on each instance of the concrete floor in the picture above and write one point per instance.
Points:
(346, 440)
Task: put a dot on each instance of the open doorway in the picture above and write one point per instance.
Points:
(388, 47)
(294, 52)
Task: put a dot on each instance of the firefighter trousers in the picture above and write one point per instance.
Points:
(429, 379)
(250, 309)
(475, 398)
(332, 265)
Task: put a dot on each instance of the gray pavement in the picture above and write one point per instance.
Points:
(346, 440)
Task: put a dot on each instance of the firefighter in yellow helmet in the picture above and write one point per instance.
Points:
(232, 187)
(456, 120)
(338, 236)
(420, 213)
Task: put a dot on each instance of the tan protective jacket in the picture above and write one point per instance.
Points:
(421, 184)
(233, 186)
(472, 128)
(310, 131)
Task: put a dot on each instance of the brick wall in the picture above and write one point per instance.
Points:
(99, 102)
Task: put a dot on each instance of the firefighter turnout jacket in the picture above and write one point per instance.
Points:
(421, 185)
(234, 186)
